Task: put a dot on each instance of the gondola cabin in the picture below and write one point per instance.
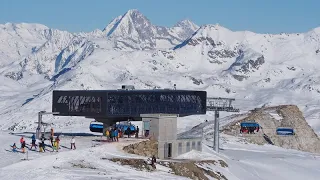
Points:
(249, 127)
(96, 127)
(285, 131)
(125, 126)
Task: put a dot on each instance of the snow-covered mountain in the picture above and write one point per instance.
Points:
(134, 31)
(37, 49)
(256, 69)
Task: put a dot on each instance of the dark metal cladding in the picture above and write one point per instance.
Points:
(79, 103)
(128, 103)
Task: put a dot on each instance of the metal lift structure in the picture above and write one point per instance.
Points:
(219, 104)
(41, 123)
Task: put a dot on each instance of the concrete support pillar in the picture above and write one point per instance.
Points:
(106, 124)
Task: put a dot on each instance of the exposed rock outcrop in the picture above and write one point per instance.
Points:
(270, 118)
(199, 170)
(144, 148)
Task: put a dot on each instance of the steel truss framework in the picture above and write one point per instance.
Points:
(220, 104)
(132, 103)
(216, 105)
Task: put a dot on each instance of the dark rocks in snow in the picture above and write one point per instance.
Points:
(250, 65)
(267, 80)
(291, 68)
(239, 77)
(215, 61)
(214, 54)
(167, 55)
(194, 42)
(196, 81)
(14, 75)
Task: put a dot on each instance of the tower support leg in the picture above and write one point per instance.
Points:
(216, 131)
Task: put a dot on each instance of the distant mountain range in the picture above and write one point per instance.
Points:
(256, 69)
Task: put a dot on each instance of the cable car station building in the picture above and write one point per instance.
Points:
(158, 109)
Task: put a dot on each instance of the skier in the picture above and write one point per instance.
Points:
(41, 149)
(116, 138)
(42, 143)
(23, 145)
(51, 140)
(73, 143)
(153, 160)
(14, 147)
(51, 132)
(108, 135)
(120, 133)
(137, 132)
(57, 143)
(21, 141)
(129, 131)
(33, 143)
(113, 137)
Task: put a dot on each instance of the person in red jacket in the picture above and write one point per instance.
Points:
(21, 141)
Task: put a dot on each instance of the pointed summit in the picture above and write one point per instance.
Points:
(132, 22)
(133, 12)
(133, 30)
(187, 24)
(184, 29)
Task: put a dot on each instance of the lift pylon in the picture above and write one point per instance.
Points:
(219, 104)
(40, 123)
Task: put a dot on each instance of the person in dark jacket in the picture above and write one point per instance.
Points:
(129, 131)
(33, 142)
(137, 132)
(23, 145)
(154, 159)
(14, 147)
(51, 140)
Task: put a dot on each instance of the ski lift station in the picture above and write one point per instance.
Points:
(158, 109)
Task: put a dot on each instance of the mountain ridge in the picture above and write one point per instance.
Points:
(257, 69)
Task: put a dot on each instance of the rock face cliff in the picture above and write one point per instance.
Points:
(270, 118)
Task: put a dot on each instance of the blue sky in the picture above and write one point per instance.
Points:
(264, 16)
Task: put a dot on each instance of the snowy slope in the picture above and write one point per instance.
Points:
(248, 161)
(90, 160)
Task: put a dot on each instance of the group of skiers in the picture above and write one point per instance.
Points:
(55, 143)
(113, 134)
(249, 130)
